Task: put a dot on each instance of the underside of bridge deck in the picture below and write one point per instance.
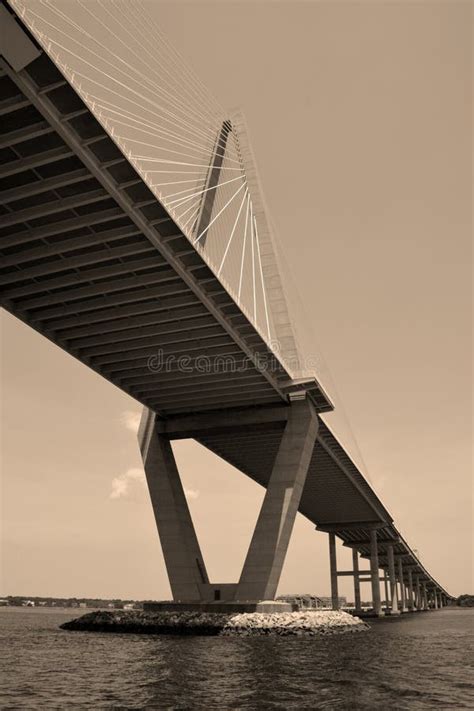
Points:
(93, 261)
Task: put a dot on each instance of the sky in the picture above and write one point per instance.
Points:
(360, 117)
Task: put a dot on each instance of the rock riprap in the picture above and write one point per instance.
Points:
(305, 623)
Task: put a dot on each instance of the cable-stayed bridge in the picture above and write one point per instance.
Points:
(134, 236)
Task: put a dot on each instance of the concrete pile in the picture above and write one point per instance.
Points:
(307, 623)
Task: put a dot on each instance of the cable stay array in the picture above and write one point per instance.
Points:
(170, 127)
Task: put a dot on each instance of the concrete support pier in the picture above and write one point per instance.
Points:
(411, 601)
(181, 551)
(374, 573)
(333, 571)
(393, 581)
(355, 567)
(261, 572)
(403, 607)
(385, 589)
(425, 598)
(267, 551)
(418, 600)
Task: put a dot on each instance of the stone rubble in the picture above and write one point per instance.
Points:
(304, 623)
(307, 622)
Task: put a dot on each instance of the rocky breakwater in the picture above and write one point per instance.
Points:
(305, 623)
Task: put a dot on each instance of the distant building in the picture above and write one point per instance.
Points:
(311, 602)
(327, 601)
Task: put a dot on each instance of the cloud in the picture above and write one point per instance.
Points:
(121, 485)
(131, 420)
(124, 484)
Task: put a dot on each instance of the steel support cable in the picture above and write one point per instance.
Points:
(263, 282)
(182, 200)
(232, 232)
(155, 86)
(164, 133)
(219, 213)
(243, 246)
(172, 117)
(193, 78)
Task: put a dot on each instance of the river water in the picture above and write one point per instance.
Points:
(421, 661)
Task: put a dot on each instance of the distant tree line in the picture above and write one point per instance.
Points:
(465, 601)
(20, 600)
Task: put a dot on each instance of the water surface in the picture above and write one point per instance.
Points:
(421, 661)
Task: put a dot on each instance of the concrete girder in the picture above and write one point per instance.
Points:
(89, 334)
(21, 165)
(61, 227)
(53, 207)
(155, 329)
(109, 313)
(42, 186)
(63, 247)
(41, 128)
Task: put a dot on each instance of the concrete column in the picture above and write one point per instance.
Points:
(441, 603)
(333, 571)
(183, 559)
(402, 586)
(393, 581)
(419, 603)
(267, 551)
(374, 573)
(212, 179)
(411, 603)
(355, 568)
(435, 599)
(425, 598)
(385, 587)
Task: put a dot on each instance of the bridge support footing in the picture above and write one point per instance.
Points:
(267, 606)
(261, 572)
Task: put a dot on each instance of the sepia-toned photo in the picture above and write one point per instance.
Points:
(236, 355)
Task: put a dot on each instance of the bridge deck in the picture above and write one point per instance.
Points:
(93, 261)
